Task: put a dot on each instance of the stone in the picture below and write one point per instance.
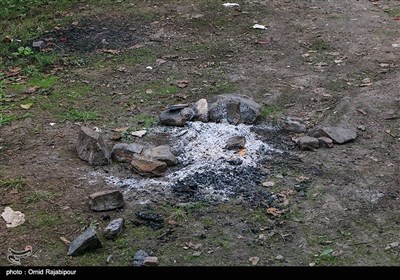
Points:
(234, 109)
(139, 257)
(279, 257)
(150, 261)
(361, 127)
(91, 147)
(177, 107)
(235, 143)
(106, 200)
(145, 165)
(85, 242)
(339, 135)
(38, 44)
(293, 124)
(325, 142)
(187, 114)
(123, 152)
(162, 153)
(172, 118)
(200, 109)
(308, 143)
(114, 228)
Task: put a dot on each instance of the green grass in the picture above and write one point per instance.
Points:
(44, 219)
(80, 115)
(6, 119)
(394, 12)
(39, 195)
(270, 111)
(15, 184)
(320, 45)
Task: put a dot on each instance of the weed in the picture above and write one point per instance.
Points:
(23, 51)
(39, 195)
(80, 115)
(46, 220)
(225, 241)
(320, 45)
(6, 119)
(14, 184)
(142, 121)
(269, 111)
(394, 12)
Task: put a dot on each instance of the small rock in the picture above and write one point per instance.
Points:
(254, 260)
(234, 108)
(148, 216)
(361, 127)
(139, 133)
(293, 124)
(235, 161)
(123, 152)
(268, 184)
(339, 135)
(279, 258)
(394, 244)
(114, 228)
(201, 110)
(38, 44)
(106, 200)
(110, 259)
(311, 264)
(162, 153)
(85, 242)
(145, 165)
(177, 107)
(308, 143)
(150, 261)
(235, 143)
(139, 257)
(325, 142)
(91, 147)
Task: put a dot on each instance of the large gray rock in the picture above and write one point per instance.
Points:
(162, 153)
(145, 165)
(91, 147)
(85, 242)
(339, 135)
(308, 143)
(234, 108)
(293, 124)
(114, 228)
(176, 117)
(201, 110)
(106, 200)
(123, 152)
(139, 258)
(235, 143)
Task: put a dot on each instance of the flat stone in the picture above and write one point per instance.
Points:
(114, 228)
(38, 44)
(177, 107)
(172, 118)
(139, 257)
(150, 261)
(293, 124)
(162, 153)
(123, 152)
(279, 257)
(339, 135)
(201, 110)
(325, 142)
(187, 114)
(145, 165)
(91, 147)
(308, 143)
(106, 200)
(234, 109)
(85, 242)
(235, 143)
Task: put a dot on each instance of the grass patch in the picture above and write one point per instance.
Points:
(320, 45)
(39, 195)
(394, 12)
(14, 184)
(44, 219)
(270, 111)
(142, 121)
(6, 119)
(80, 115)
(225, 241)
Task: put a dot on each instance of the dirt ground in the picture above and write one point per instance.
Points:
(328, 62)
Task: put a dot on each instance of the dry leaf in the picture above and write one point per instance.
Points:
(32, 89)
(254, 260)
(121, 129)
(268, 184)
(274, 212)
(302, 179)
(242, 152)
(139, 133)
(110, 51)
(26, 106)
(64, 240)
(182, 83)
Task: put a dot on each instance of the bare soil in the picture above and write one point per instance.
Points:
(329, 62)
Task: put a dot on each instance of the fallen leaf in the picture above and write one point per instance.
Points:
(326, 252)
(32, 89)
(254, 260)
(361, 111)
(116, 137)
(302, 179)
(160, 61)
(110, 51)
(26, 106)
(121, 129)
(149, 91)
(139, 133)
(274, 212)
(242, 152)
(171, 222)
(182, 83)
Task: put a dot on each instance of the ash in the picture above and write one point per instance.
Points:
(206, 170)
